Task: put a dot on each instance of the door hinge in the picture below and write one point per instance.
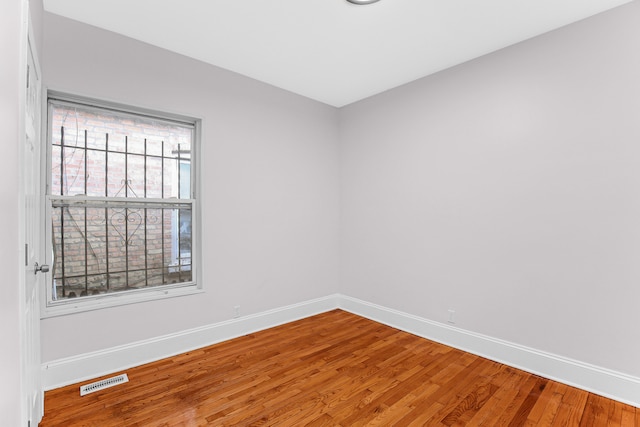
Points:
(26, 254)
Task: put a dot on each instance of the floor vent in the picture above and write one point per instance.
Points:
(101, 385)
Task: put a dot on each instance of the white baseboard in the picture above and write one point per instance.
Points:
(71, 370)
(605, 382)
(601, 381)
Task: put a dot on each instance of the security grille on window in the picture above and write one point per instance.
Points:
(121, 201)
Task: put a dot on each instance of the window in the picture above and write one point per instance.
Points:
(121, 204)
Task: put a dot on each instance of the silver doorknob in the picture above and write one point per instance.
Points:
(44, 268)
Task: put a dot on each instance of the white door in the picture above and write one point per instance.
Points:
(30, 304)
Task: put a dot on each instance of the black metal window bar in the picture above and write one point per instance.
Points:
(107, 237)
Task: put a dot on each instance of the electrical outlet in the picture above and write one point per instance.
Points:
(452, 316)
(236, 311)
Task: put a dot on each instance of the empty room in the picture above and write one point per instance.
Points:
(329, 212)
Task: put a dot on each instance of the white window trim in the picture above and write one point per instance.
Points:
(50, 308)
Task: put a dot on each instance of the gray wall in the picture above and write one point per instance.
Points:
(269, 185)
(508, 190)
(505, 189)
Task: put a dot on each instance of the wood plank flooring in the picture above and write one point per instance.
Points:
(333, 369)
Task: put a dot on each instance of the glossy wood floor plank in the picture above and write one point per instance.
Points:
(334, 369)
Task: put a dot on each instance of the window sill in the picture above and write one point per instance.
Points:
(80, 305)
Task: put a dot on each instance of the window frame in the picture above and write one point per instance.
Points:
(52, 308)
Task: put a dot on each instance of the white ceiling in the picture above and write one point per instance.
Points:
(331, 50)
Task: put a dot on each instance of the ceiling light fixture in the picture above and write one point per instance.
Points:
(362, 1)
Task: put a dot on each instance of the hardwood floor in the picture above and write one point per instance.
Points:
(334, 369)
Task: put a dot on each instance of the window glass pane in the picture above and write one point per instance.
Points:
(177, 178)
(70, 251)
(170, 243)
(102, 244)
(136, 175)
(154, 177)
(101, 249)
(154, 146)
(56, 230)
(96, 178)
(97, 285)
(185, 236)
(155, 242)
(137, 279)
(96, 245)
(72, 168)
(185, 179)
(118, 281)
(56, 171)
(178, 144)
(116, 233)
(116, 142)
(170, 178)
(135, 143)
(97, 139)
(68, 129)
(155, 277)
(57, 124)
(116, 175)
(135, 243)
(83, 128)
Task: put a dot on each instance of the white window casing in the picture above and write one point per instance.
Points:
(121, 205)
